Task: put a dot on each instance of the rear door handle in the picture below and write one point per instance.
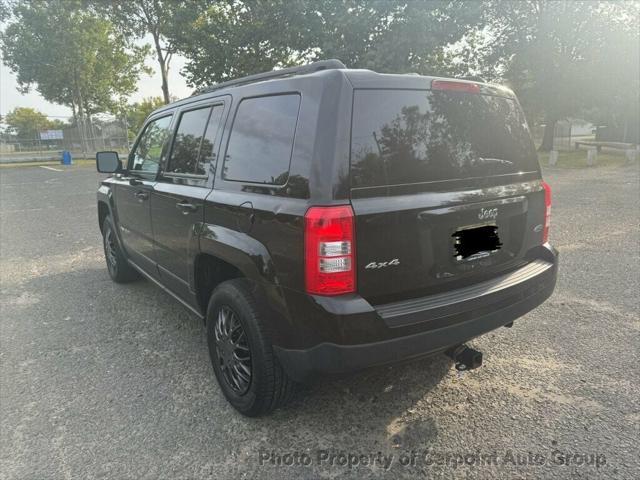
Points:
(249, 206)
(245, 223)
(186, 207)
(141, 195)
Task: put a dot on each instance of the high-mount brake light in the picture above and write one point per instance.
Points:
(448, 85)
(329, 250)
(547, 212)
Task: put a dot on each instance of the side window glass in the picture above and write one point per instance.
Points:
(186, 146)
(148, 152)
(208, 142)
(261, 140)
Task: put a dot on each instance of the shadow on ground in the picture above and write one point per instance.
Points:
(135, 362)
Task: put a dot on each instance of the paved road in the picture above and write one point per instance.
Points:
(100, 380)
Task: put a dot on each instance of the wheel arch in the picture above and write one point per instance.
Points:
(105, 205)
(103, 211)
(209, 272)
(234, 254)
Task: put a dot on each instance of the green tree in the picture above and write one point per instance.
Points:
(5, 11)
(232, 38)
(26, 122)
(70, 56)
(558, 56)
(138, 18)
(394, 36)
(614, 88)
(139, 111)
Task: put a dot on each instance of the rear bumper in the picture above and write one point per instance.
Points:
(444, 321)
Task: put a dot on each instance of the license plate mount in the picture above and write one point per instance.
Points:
(475, 242)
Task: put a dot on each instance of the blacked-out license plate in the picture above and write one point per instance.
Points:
(472, 243)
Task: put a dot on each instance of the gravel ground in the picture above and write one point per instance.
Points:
(100, 380)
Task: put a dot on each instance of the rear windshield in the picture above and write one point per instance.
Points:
(413, 136)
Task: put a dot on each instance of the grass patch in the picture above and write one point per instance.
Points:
(578, 159)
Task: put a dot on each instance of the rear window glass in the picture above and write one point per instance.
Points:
(207, 154)
(413, 136)
(261, 140)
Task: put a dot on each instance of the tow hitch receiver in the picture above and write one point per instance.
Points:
(466, 358)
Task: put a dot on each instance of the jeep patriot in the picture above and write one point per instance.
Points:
(322, 220)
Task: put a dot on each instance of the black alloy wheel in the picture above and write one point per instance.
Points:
(110, 251)
(232, 348)
(119, 269)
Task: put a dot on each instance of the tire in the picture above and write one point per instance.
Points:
(267, 386)
(119, 269)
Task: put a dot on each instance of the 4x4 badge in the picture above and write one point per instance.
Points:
(374, 265)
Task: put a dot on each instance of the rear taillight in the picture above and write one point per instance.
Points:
(547, 212)
(329, 250)
(450, 86)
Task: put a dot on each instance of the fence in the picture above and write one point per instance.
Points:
(562, 136)
(81, 142)
(565, 134)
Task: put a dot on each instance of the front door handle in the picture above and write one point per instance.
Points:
(141, 195)
(186, 207)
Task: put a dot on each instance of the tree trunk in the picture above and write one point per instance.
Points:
(92, 135)
(164, 71)
(80, 112)
(548, 136)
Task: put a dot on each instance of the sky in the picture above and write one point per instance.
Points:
(148, 86)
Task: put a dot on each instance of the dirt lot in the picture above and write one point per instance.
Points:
(100, 380)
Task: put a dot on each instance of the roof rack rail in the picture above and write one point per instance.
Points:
(284, 72)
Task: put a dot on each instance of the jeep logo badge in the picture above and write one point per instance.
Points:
(488, 213)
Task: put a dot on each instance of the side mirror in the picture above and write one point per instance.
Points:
(108, 162)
